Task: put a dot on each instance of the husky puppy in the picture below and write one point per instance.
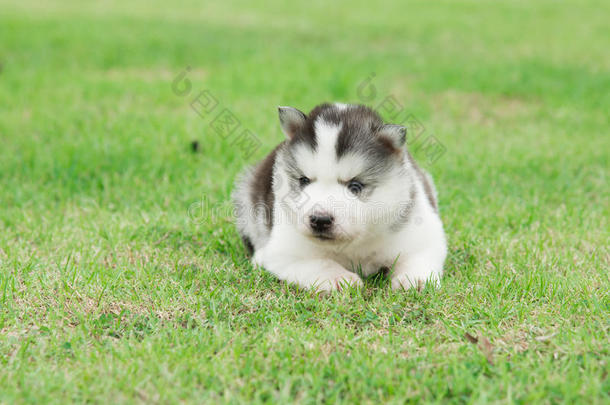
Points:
(340, 199)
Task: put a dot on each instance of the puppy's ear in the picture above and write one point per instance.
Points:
(291, 120)
(397, 134)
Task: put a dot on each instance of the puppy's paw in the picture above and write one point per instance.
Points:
(407, 281)
(337, 281)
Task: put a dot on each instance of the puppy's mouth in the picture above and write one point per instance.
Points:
(323, 236)
(329, 237)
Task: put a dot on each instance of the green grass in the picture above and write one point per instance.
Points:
(111, 292)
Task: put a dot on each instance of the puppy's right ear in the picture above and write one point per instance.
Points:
(291, 120)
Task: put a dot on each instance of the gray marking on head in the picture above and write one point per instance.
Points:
(305, 132)
(362, 134)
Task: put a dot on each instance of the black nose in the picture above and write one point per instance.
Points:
(321, 223)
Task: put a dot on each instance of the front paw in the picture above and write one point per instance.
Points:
(337, 282)
(407, 281)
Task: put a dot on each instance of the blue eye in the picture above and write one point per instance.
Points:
(355, 187)
(303, 181)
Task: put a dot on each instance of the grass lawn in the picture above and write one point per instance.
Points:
(122, 278)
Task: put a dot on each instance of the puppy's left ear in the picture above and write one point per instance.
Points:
(292, 120)
(397, 134)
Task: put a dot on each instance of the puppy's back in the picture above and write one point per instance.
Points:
(253, 199)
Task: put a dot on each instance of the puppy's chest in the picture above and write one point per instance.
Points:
(365, 261)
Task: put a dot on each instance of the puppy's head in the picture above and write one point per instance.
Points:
(341, 173)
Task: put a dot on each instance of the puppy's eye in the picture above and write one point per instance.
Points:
(355, 187)
(303, 181)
